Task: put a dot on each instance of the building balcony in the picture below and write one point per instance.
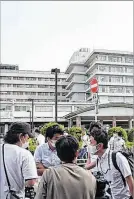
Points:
(74, 82)
(71, 75)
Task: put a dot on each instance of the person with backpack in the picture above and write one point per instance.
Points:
(114, 165)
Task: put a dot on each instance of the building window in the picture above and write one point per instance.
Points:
(116, 89)
(52, 94)
(31, 78)
(64, 108)
(22, 108)
(30, 93)
(102, 58)
(129, 90)
(18, 78)
(103, 78)
(43, 94)
(129, 60)
(130, 70)
(64, 94)
(43, 108)
(5, 77)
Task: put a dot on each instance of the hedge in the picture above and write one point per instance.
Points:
(131, 135)
(77, 133)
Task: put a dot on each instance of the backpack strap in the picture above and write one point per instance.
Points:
(116, 166)
(5, 168)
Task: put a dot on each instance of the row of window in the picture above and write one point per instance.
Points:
(32, 93)
(37, 108)
(31, 78)
(36, 100)
(112, 58)
(30, 86)
(114, 69)
(112, 89)
(116, 79)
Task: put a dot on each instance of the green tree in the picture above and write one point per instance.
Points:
(131, 135)
(44, 128)
(32, 144)
(77, 133)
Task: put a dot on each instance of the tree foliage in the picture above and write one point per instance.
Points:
(32, 144)
(131, 135)
(44, 128)
(77, 133)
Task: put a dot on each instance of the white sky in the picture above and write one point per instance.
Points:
(43, 35)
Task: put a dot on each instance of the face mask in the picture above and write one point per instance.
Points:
(92, 149)
(53, 142)
(25, 145)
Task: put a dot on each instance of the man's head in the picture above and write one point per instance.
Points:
(53, 133)
(67, 149)
(18, 133)
(98, 139)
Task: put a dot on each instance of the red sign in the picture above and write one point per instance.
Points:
(94, 85)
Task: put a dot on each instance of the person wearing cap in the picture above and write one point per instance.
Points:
(19, 162)
(45, 155)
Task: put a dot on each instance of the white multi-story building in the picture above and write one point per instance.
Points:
(114, 72)
(112, 69)
(20, 85)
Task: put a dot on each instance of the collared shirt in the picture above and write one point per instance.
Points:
(20, 166)
(43, 154)
(112, 175)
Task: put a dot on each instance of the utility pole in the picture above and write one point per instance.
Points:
(56, 71)
(30, 119)
(32, 100)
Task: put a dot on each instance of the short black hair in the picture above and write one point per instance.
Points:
(12, 138)
(52, 130)
(119, 134)
(99, 134)
(67, 147)
(37, 131)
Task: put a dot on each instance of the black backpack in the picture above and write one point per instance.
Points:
(128, 153)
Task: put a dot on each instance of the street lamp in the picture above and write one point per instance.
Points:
(32, 100)
(30, 118)
(55, 71)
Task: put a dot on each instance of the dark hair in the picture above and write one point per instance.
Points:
(11, 137)
(52, 130)
(99, 134)
(119, 133)
(67, 147)
(37, 131)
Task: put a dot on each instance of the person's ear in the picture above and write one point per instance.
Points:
(76, 154)
(21, 137)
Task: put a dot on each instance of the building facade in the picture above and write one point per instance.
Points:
(20, 85)
(114, 71)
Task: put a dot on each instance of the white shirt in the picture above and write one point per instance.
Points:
(41, 139)
(119, 191)
(20, 166)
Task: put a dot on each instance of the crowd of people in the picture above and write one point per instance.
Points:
(107, 173)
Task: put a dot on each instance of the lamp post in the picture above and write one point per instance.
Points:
(32, 114)
(56, 71)
(30, 118)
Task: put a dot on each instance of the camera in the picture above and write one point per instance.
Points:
(29, 193)
(101, 186)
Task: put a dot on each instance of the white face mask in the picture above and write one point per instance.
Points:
(53, 142)
(25, 145)
(92, 149)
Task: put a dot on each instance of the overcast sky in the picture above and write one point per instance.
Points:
(43, 35)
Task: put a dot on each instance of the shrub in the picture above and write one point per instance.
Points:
(76, 132)
(116, 130)
(131, 135)
(32, 144)
(129, 144)
(44, 128)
